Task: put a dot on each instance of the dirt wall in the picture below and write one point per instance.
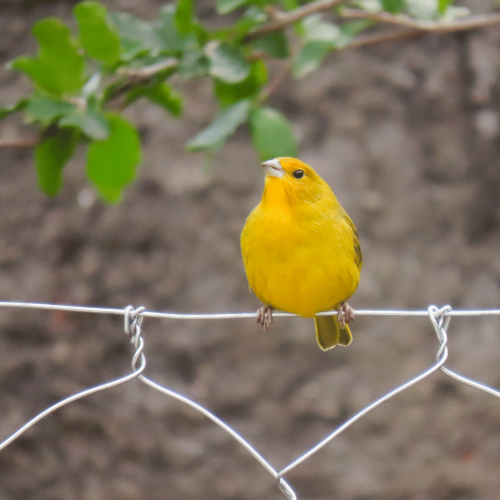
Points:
(407, 135)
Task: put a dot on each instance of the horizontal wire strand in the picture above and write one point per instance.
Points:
(174, 315)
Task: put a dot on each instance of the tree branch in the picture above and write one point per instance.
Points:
(138, 76)
(284, 19)
(466, 23)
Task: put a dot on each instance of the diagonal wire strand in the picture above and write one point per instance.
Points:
(223, 425)
(442, 357)
(472, 383)
(79, 395)
(362, 413)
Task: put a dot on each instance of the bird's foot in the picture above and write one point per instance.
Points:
(265, 317)
(346, 314)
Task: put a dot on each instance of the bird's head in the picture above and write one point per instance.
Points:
(295, 179)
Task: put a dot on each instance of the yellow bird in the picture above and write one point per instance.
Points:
(301, 251)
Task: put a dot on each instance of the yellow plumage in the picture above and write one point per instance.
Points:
(300, 248)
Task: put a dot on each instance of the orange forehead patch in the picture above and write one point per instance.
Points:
(290, 164)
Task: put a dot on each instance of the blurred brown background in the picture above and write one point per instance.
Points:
(408, 137)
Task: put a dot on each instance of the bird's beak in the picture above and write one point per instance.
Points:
(273, 168)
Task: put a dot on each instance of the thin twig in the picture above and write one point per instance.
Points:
(138, 76)
(148, 71)
(25, 142)
(275, 81)
(284, 19)
(443, 26)
(387, 36)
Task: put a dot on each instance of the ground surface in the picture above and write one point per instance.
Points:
(408, 138)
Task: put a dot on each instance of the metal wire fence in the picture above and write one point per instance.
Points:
(133, 318)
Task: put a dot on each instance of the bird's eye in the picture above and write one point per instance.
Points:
(298, 174)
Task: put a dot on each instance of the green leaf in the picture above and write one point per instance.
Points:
(315, 29)
(221, 128)
(349, 30)
(50, 157)
(227, 62)
(47, 110)
(12, 108)
(161, 94)
(137, 36)
(309, 58)
(37, 72)
(371, 6)
(60, 53)
(250, 19)
(111, 164)
(290, 4)
(98, 35)
(202, 34)
(184, 14)
(443, 5)
(424, 10)
(275, 44)
(392, 6)
(225, 6)
(453, 13)
(59, 67)
(230, 93)
(194, 64)
(272, 134)
(172, 39)
(91, 121)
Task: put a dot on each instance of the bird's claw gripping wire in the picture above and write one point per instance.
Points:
(345, 314)
(265, 317)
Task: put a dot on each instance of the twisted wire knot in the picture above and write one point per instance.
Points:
(132, 323)
(132, 326)
(440, 321)
(285, 488)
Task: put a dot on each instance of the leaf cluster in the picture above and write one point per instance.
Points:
(77, 77)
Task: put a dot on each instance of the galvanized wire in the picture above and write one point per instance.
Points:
(133, 318)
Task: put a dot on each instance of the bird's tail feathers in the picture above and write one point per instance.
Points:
(329, 334)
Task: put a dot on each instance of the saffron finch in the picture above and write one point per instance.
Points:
(301, 251)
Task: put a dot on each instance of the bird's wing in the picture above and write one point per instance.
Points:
(358, 259)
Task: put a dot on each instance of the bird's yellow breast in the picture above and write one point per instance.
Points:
(300, 258)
